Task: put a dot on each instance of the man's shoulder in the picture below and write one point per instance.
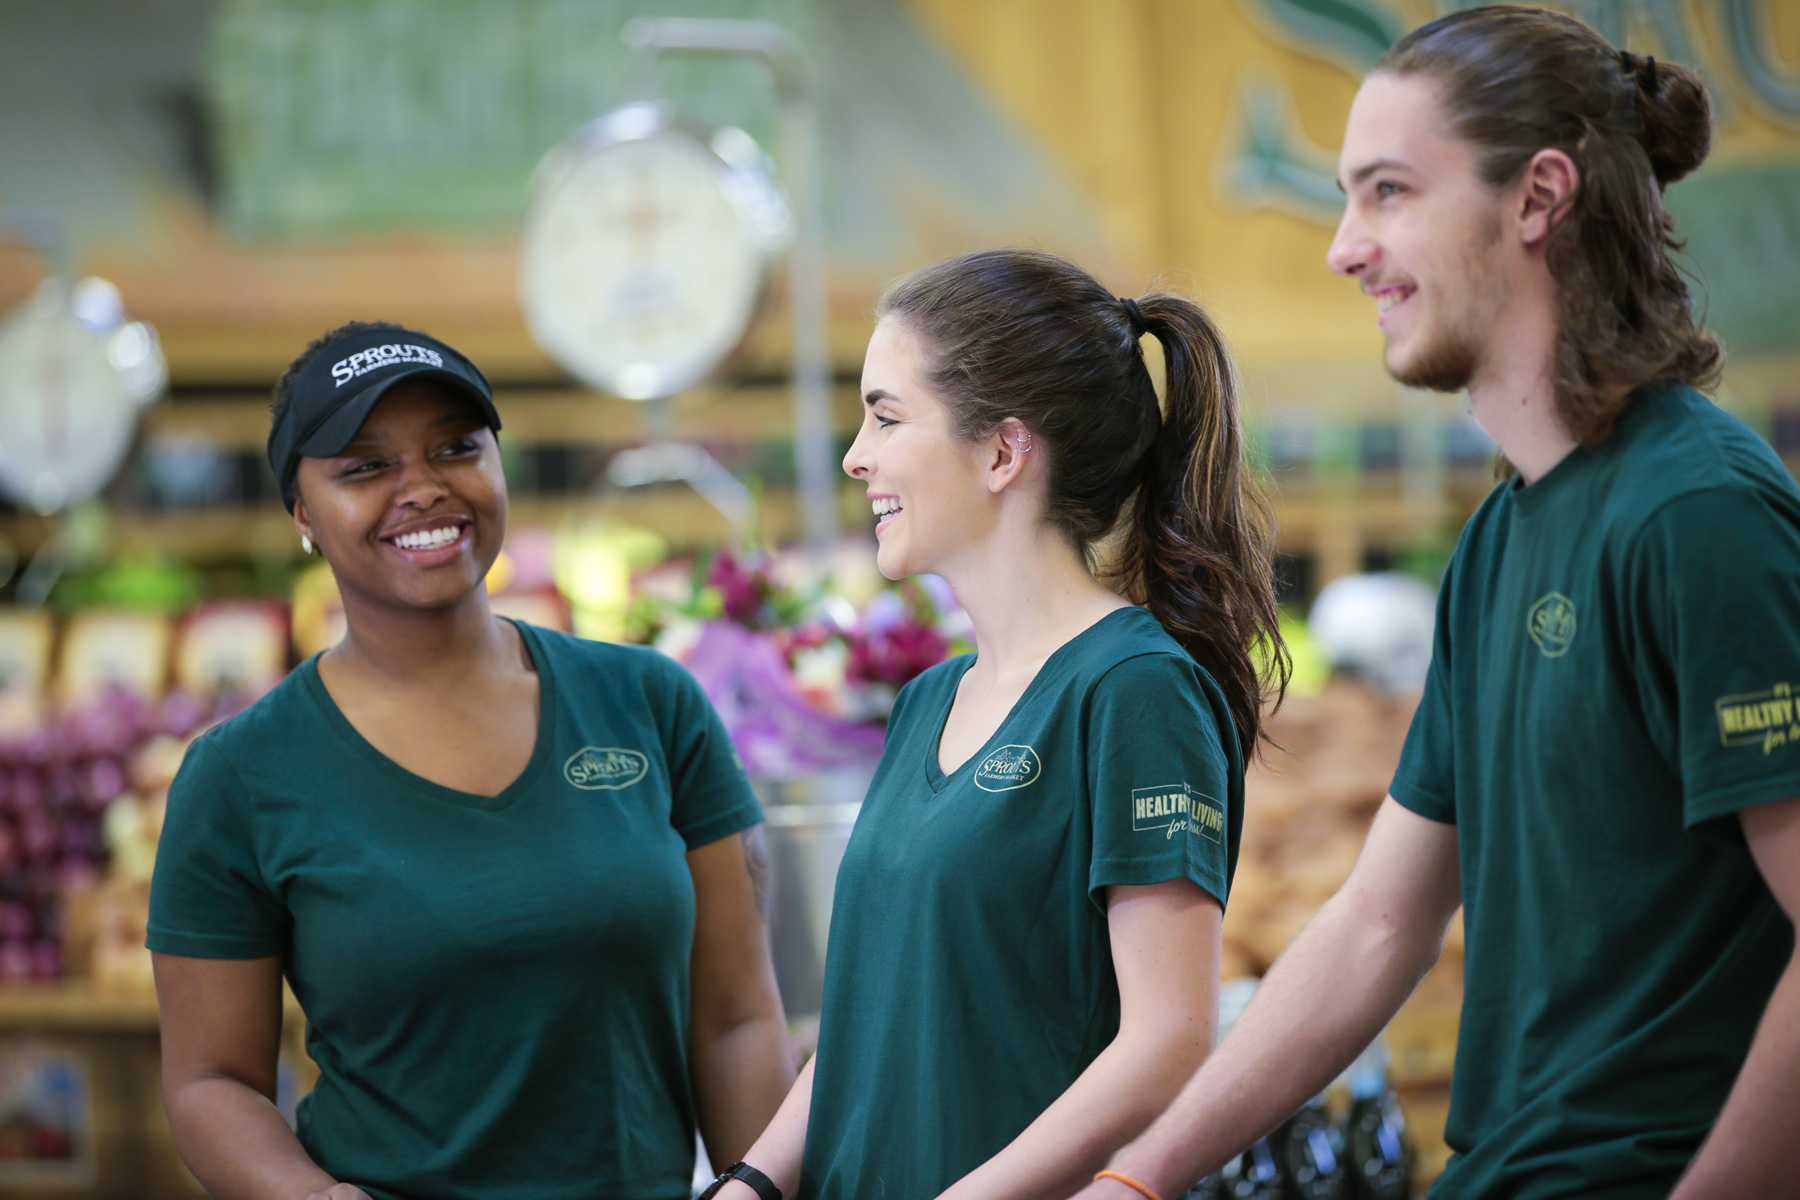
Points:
(1673, 446)
(1677, 443)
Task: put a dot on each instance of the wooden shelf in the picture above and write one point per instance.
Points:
(74, 1006)
(562, 416)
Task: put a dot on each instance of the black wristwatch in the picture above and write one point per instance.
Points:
(759, 1183)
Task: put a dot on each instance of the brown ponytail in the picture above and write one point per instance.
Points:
(1200, 550)
(1030, 336)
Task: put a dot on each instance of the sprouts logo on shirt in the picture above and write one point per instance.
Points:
(605, 768)
(1176, 808)
(1765, 719)
(1008, 769)
(1551, 624)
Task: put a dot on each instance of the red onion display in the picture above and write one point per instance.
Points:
(56, 784)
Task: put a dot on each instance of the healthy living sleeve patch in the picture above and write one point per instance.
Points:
(1174, 808)
(1765, 719)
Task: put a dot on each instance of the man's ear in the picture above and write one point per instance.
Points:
(1008, 451)
(1548, 188)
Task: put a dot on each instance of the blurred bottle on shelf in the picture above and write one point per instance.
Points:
(1380, 1156)
(1210, 1188)
(1253, 1175)
(1325, 1151)
(1309, 1148)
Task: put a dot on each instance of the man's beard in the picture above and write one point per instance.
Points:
(1445, 364)
(1451, 356)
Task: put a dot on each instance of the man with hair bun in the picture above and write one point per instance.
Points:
(1605, 764)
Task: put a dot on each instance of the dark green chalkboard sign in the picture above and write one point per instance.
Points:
(339, 115)
(1741, 220)
(1743, 230)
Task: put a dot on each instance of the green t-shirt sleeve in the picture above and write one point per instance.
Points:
(710, 792)
(1716, 583)
(1425, 781)
(1157, 779)
(208, 896)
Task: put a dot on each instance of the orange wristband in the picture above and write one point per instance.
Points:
(1129, 1182)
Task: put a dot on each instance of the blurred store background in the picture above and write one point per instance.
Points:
(191, 190)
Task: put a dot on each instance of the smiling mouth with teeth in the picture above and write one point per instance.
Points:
(1386, 300)
(429, 539)
(885, 507)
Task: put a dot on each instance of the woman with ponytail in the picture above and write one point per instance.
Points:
(1024, 954)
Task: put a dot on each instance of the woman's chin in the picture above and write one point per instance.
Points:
(889, 564)
(424, 592)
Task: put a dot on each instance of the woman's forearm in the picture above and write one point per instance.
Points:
(237, 1143)
(778, 1151)
(740, 1062)
(1115, 1099)
(1165, 953)
(741, 1076)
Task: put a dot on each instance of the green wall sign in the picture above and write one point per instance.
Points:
(356, 114)
(1742, 221)
(1742, 226)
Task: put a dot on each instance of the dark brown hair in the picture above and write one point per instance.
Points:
(1519, 80)
(1030, 336)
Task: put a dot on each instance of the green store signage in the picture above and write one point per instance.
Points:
(359, 114)
(1357, 33)
(1742, 221)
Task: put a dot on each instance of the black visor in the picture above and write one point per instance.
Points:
(342, 384)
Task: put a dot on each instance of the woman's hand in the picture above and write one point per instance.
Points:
(340, 1191)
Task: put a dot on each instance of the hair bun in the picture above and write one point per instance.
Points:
(1676, 116)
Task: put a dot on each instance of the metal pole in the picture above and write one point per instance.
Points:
(814, 467)
(44, 231)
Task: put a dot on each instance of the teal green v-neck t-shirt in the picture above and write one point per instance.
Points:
(1614, 679)
(496, 988)
(968, 975)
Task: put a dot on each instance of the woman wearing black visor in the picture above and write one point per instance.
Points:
(511, 875)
